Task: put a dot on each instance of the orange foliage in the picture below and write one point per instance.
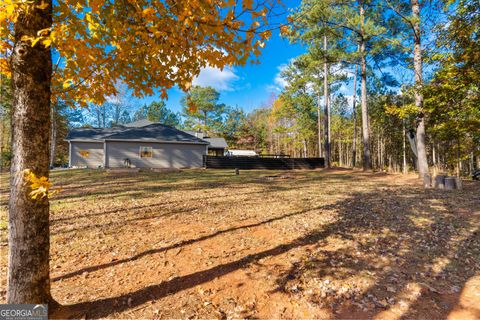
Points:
(148, 44)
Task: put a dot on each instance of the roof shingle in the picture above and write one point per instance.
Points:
(153, 132)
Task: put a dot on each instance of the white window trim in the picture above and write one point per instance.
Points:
(140, 152)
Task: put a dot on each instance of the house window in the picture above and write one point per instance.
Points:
(146, 152)
(84, 153)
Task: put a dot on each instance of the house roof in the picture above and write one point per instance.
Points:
(153, 132)
(139, 123)
(92, 133)
(198, 134)
(217, 143)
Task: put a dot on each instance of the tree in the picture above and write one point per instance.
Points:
(310, 27)
(148, 44)
(418, 71)
(356, 31)
(29, 244)
(296, 106)
(141, 113)
(5, 119)
(201, 107)
(158, 112)
(58, 130)
(452, 97)
(256, 131)
(305, 77)
(116, 104)
(234, 121)
(75, 117)
(102, 114)
(410, 13)
(125, 118)
(354, 110)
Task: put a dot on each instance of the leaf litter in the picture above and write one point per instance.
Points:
(199, 244)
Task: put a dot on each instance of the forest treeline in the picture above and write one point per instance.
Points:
(362, 87)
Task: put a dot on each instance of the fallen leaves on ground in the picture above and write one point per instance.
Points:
(264, 244)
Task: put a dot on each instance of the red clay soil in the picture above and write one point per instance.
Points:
(331, 244)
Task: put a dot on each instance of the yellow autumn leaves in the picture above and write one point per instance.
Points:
(151, 45)
(44, 36)
(9, 13)
(40, 186)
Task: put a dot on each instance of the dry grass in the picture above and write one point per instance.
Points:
(264, 244)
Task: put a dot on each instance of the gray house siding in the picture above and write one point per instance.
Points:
(95, 156)
(165, 155)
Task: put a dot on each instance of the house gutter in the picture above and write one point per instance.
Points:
(156, 141)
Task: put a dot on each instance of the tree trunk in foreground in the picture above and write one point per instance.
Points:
(28, 225)
(417, 63)
(327, 106)
(367, 163)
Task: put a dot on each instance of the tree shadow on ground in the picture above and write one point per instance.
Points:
(147, 207)
(411, 246)
(145, 212)
(414, 248)
(178, 245)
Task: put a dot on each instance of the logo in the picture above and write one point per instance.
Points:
(23, 312)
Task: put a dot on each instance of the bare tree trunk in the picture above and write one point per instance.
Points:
(459, 163)
(367, 164)
(354, 148)
(28, 257)
(99, 117)
(53, 136)
(319, 126)
(382, 151)
(471, 166)
(104, 116)
(205, 123)
(118, 112)
(340, 153)
(422, 162)
(327, 106)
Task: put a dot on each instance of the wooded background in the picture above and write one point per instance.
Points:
(300, 123)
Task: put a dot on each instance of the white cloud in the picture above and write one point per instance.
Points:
(279, 83)
(343, 88)
(279, 80)
(221, 80)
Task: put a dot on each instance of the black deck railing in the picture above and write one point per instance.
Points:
(212, 162)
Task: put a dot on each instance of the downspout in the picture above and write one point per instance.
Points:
(69, 154)
(205, 157)
(105, 157)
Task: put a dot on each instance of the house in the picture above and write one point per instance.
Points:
(216, 146)
(141, 144)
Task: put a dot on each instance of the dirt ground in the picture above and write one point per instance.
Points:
(325, 244)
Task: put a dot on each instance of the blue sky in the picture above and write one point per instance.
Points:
(248, 86)
(251, 86)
